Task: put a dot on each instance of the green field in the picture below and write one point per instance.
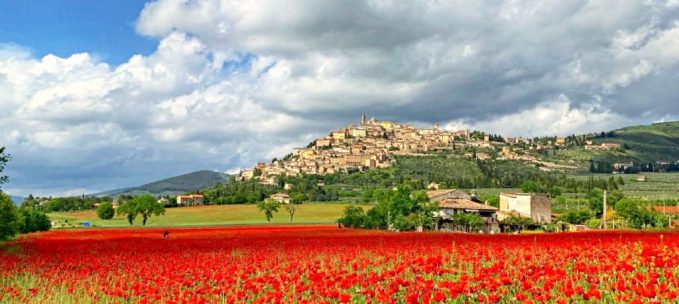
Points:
(213, 215)
(657, 187)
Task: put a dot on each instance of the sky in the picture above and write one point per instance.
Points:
(98, 95)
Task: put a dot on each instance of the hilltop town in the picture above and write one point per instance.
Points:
(373, 143)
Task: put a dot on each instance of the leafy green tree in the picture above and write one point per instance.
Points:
(146, 206)
(400, 209)
(576, 217)
(596, 200)
(529, 186)
(554, 191)
(469, 221)
(627, 208)
(105, 211)
(4, 159)
(297, 198)
(10, 219)
(593, 223)
(269, 207)
(33, 220)
(638, 217)
(129, 210)
(516, 223)
(353, 216)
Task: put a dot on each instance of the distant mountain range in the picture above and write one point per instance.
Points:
(189, 182)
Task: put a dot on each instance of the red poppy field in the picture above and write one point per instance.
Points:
(323, 264)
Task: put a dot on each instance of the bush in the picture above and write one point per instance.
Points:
(576, 217)
(638, 217)
(33, 220)
(353, 217)
(10, 221)
(105, 211)
(593, 223)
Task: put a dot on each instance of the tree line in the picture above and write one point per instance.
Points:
(15, 220)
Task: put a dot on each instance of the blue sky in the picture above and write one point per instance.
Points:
(104, 28)
(97, 95)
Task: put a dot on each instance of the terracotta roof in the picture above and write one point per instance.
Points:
(667, 209)
(436, 193)
(464, 204)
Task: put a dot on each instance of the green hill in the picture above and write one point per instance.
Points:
(175, 185)
(656, 142)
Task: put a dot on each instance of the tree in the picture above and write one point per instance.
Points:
(4, 159)
(105, 211)
(596, 200)
(146, 206)
(576, 217)
(291, 209)
(353, 217)
(468, 220)
(554, 191)
(33, 220)
(638, 217)
(129, 209)
(10, 220)
(517, 223)
(269, 207)
(297, 198)
(529, 186)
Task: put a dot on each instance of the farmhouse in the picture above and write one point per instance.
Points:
(438, 195)
(536, 206)
(449, 207)
(190, 200)
(281, 197)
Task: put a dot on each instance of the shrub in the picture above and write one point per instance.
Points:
(105, 211)
(576, 217)
(33, 220)
(10, 221)
(353, 217)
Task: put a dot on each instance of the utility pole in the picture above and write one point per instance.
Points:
(603, 218)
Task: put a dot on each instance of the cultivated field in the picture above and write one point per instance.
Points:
(213, 215)
(659, 186)
(324, 264)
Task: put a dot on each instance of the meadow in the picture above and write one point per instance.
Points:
(309, 213)
(325, 264)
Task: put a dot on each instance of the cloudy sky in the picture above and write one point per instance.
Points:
(96, 95)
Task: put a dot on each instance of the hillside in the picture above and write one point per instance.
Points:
(640, 144)
(175, 185)
(656, 142)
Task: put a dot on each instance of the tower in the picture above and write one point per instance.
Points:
(363, 118)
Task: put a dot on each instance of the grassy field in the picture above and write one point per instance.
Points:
(213, 215)
(657, 187)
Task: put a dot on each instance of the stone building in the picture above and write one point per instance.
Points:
(449, 207)
(536, 206)
(190, 200)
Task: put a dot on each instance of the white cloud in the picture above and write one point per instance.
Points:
(235, 82)
(553, 117)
